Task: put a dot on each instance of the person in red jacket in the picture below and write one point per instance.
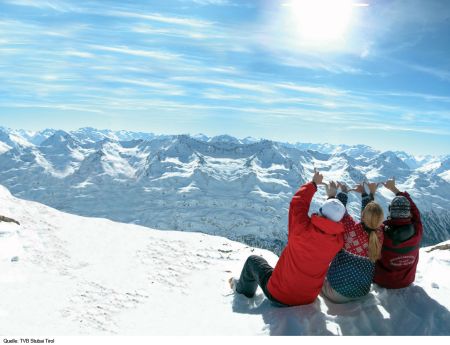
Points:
(312, 244)
(402, 235)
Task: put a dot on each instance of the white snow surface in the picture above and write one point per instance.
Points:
(62, 274)
(4, 147)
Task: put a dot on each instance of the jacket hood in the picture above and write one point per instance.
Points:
(326, 225)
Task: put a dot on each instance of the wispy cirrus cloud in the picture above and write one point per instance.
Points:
(162, 88)
(318, 90)
(392, 128)
(159, 55)
(175, 32)
(211, 2)
(161, 18)
(440, 73)
(56, 5)
(306, 61)
(56, 106)
(80, 54)
(402, 94)
(248, 85)
(220, 3)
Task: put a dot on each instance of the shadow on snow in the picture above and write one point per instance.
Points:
(408, 311)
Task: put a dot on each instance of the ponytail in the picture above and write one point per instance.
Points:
(374, 246)
(372, 217)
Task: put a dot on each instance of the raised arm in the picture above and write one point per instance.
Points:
(342, 196)
(300, 203)
(415, 214)
(366, 198)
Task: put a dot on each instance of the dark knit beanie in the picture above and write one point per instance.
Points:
(400, 207)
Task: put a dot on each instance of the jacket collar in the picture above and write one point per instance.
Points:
(397, 221)
(326, 225)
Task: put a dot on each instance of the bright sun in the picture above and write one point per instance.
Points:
(321, 21)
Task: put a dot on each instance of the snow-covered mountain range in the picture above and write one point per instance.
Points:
(224, 186)
(67, 275)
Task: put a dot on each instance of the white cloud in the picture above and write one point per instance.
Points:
(160, 55)
(406, 94)
(323, 91)
(212, 2)
(247, 85)
(436, 72)
(80, 54)
(196, 35)
(316, 63)
(60, 106)
(162, 88)
(59, 6)
(191, 22)
(392, 128)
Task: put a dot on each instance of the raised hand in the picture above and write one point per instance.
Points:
(317, 178)
(390, 184)
(343, 187)
(359, 188)
(372, 187)
(331, 189)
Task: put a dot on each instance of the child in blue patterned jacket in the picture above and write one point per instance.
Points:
(351, 272)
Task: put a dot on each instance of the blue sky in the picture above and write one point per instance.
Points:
(378, 74)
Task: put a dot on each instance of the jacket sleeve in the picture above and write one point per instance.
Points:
(342, 197)
(347, 220)
(298, 210)
(415, 214)
(365, 199)
(349, 223)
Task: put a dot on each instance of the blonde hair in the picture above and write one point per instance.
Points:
(372, 217)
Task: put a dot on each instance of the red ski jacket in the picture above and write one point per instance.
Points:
(399, 257)
(312, 244)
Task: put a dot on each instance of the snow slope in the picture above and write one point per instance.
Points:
(62, 274)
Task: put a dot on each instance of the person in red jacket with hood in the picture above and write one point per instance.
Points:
(402, 235)
(312, 244)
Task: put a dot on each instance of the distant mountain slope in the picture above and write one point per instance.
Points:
(239, 189)
(64, 275)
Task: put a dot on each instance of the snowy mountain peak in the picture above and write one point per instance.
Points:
(12, 139)
(38, 137)
(250, 140)
(200, 136)
(89, 135)
(60, 138)
(224, 139)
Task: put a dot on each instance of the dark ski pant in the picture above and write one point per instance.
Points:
(256, 272)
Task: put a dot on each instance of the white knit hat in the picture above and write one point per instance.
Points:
(332, 209)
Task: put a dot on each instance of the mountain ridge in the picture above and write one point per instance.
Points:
(227, 186)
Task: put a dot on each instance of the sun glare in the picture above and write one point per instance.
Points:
(321, 21)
